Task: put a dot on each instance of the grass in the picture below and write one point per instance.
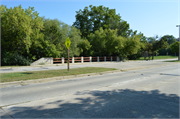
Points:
(41, 63)
(10, 66)
(160, 57)
(18, 76)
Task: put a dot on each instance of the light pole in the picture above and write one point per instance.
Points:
(179, 41)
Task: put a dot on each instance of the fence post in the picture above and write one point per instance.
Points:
(51, 60)
(90, 59)
(62, 60)
(117, 58)
(104, 58)
(82, 60)
(111, 58)
(72, 59)
(97, 58)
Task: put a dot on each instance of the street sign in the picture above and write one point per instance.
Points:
(68, 42)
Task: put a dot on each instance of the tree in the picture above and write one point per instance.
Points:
(170, 39)
(18, 27)
(157, 44)
(98, 42)
(91, 19)
(21, 33)
(56, 32)
(121, 26)
(84, 47)
(147, 49)
(133, 44)
(107, 42)
(175, 47)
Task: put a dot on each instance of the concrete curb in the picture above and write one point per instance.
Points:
(17, 83)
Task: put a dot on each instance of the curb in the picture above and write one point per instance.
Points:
(18, 83)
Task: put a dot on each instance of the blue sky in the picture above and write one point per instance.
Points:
(150, 17)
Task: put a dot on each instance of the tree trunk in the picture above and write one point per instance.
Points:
(148, 55)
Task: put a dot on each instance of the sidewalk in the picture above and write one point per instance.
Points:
(65, 64)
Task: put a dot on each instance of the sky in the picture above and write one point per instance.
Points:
(150, 17)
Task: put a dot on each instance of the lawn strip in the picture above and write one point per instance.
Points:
(18, 76)
(160, 57)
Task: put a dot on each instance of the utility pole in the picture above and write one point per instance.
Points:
(179, 41)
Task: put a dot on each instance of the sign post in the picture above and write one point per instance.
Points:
(68, 43)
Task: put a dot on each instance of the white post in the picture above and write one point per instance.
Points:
(97, 58)
(117, 58)
(90, 59)
(111, 58)
(82, 60)
(72, 59)
(104, 58)
(51, 60)
(62, 60)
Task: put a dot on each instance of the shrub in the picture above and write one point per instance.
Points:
(11, 59)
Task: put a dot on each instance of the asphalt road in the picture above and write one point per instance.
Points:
(145, 93)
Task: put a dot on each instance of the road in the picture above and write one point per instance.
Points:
(145, 93)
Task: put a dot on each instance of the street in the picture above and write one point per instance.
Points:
(143, 93)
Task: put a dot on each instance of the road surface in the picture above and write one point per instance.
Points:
(145, 93)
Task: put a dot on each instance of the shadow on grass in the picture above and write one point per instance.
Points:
(122, 103)
(27, 73)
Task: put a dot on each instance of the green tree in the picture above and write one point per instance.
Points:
(18, 26)
(147, 49)
(170, 39)
(121, 26)
(84, 47)
(157, 44)
(91, 19)
(98, 42)
(56, 32)
(22, 33)
(107, 42)
(175, 47)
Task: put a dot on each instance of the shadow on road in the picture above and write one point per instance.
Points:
(170, 74)
(120, 103)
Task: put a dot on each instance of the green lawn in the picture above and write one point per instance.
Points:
(160, 57)
(9, 77)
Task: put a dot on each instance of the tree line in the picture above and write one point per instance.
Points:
(97, 31)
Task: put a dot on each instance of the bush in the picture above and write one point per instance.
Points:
(11, 59)
(135, 56)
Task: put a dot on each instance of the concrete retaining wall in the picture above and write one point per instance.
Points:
(45, 60)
